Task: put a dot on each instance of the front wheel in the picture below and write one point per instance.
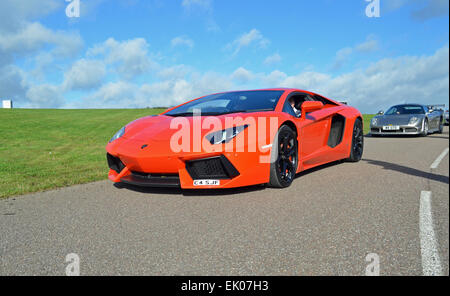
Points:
(425, 128)
(441, 126)
(357, 142)
(284, 160)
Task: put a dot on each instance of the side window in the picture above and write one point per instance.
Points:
(297, 100)
(288, 109)
(322, 99)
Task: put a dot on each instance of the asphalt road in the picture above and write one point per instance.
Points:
(326, 223)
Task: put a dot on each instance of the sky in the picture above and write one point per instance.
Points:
(151, 53)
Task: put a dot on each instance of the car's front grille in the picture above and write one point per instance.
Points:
(393, 131)
(211, 168)
(152, 180)
(375, 130)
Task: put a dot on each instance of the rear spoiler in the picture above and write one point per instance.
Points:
(345, 103)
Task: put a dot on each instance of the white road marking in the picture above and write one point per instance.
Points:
(439, 159)
(431, 263)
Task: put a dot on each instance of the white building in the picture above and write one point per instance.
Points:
(7, 104)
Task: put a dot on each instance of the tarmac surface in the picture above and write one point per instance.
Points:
(391, 204)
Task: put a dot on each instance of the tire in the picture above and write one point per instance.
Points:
(441, 126)
(284, 158)
(357, 148)
(425, 129)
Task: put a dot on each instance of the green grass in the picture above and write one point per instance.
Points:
(46, 149)
(366, 122)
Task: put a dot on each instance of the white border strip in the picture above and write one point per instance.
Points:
(431, 263)
(439, 159)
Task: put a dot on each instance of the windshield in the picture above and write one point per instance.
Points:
(232, 102)
(405, 110)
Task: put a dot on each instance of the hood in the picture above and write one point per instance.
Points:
(396, 119)
(161, 128)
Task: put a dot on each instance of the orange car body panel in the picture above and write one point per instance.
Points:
(158, 158)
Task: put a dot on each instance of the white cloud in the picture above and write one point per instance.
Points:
(182, 41)
(130, 57)
(432, 9)
(422, 10)
(272, 59)
(163, 93)
(33, 37)
(343, 55)
(84, 74)
(242, 75)
(421, 79)
(273, 79)
(44, 96)
(245, 40)
(13, 84)
(413, 79)
(370, 45)
(175, 72)
(14, 13)
(112, 94)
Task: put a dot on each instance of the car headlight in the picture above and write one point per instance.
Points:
(118, 134)
(226, 135)
(374, 121)
(413, 120)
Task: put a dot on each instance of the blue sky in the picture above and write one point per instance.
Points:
(136, 53)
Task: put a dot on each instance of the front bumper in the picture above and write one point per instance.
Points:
(186, 170)
(403, 130)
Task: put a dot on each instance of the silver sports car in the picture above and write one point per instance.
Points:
(408, 119)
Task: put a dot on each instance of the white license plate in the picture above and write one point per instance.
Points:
(391, 128)
(206, 182)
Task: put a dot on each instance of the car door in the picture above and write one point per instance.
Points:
(433, 119)
(310, 127)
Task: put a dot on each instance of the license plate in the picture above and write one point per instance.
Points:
(391, 128)
(206, 182)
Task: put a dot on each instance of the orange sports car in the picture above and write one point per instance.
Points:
(236, 139)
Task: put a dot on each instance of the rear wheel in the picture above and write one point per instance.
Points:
(357, 142)
(284, 159)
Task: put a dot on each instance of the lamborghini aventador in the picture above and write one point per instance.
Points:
(235, 139)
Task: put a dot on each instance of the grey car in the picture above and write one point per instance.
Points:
(408, 119)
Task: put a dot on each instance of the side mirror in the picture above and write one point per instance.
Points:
(381, 112)
(311, 106)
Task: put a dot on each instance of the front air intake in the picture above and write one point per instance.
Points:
(211, 168)
(114, 163)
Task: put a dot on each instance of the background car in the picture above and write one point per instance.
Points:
(321, 131)
(446, 117)
(408, 119)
